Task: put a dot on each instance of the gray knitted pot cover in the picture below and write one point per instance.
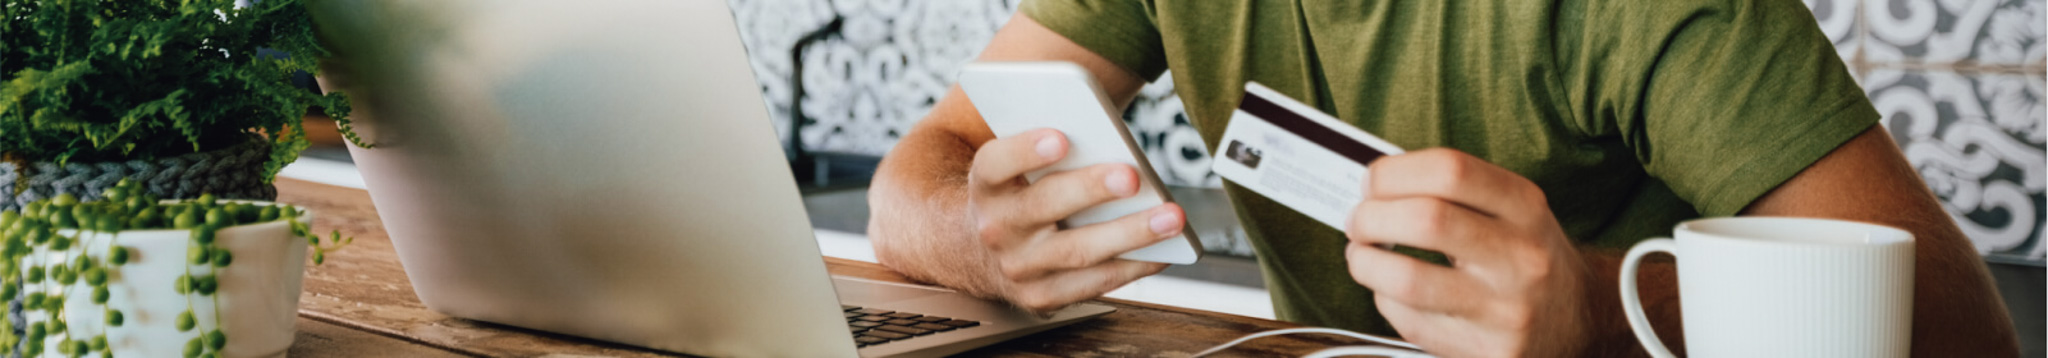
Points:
(229, 173)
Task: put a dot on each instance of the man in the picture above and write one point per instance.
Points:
(1557, 133)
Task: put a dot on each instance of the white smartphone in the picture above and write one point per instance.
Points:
(1014, 97)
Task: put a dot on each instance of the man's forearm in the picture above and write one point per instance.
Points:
(1956, 309)
(918, 223)
(1657, 286)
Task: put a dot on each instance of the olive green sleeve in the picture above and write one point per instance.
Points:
(1738, 97)
(1121, 30)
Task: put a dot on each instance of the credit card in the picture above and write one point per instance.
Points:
(1297, 155)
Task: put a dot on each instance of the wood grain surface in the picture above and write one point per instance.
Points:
(323, 340)
(363, 288)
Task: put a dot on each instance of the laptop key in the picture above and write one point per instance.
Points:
(961, 323)
(864, 324)
(874, 318)
(853, 329)
(848, 307)
(870, 340)
(905, 330)
(932, 319)
(900, 322)
(904, 315)
(852, 315)
(934, 327)
(885, 335)
(872, 311)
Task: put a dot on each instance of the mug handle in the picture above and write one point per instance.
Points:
(1633, 305)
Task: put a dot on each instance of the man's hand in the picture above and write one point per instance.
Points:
(1036, 265)
(950, 205)
(1516, 285)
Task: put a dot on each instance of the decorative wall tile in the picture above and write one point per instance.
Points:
(1987, 32)
(769, 29)
(1161, 126)
(1977, 140)
(891, 62)
(1842, 21)
(865, 83)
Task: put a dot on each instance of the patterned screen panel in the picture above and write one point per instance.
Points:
(1960, 83)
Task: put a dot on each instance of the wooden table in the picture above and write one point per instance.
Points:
(360, 304)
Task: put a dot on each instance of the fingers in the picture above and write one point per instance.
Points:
(1005, 160)
(1007, 217)
(1091, 245)
(1068, 287)
(1059, 195)
(1044, 267)
(1409, 281)
(1421, 222)
(1457, 177)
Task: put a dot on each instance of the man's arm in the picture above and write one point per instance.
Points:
(934, 222)
(1956, 310)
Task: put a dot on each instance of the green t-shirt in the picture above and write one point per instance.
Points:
(1631, 115)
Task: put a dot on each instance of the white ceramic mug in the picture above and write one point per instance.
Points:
(1783, 287)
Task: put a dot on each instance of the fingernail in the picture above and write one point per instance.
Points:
(1049, 147)
(1165, 222)
(1120, 183)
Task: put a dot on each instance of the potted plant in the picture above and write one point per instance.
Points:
(192, 100)
(129, 275)
(186, 97)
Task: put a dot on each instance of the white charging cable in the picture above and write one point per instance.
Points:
(1411, 350)
(1375, 351)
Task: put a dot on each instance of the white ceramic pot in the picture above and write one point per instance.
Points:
(258, 292)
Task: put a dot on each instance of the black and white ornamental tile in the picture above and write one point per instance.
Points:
(889, 64)
(770, 29)
(1979, 32)
(1160, 125)
(1976, 138)
(1842, 21)
(866, 84)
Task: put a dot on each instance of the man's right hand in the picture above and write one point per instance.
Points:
(951, 206)
(1038, 265)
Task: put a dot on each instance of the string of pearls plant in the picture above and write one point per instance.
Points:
(59, 227)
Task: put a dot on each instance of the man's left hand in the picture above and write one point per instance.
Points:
(1515, 286)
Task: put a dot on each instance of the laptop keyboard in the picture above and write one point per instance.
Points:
(871, 326)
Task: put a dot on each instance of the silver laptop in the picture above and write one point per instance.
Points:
(608, 169)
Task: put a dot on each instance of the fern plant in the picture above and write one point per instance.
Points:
(113, 80)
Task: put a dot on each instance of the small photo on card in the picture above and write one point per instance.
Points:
(1243, 154)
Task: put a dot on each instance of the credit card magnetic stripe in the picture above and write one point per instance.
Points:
(1314, 133)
